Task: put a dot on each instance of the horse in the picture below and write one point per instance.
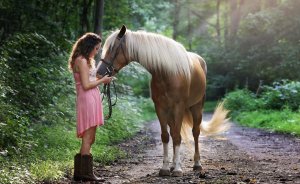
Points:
(178, 87)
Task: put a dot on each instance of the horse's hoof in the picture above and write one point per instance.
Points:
(164, 172)
(177, 173)
(197, 168)
(172, 169)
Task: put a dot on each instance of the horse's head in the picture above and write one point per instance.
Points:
(115, 54)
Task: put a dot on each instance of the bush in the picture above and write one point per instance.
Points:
(242, 100)
(281, 95)
(15, 136)
(33, 87)
(57, 144)
(120, 126)
(134, 80)
(31, 67)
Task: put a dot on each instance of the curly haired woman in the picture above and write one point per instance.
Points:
(88, 102)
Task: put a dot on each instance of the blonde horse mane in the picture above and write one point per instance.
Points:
(155, 52)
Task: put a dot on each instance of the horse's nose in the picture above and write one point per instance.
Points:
(102, 69)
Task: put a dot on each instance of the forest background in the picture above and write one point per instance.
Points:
(252, 50)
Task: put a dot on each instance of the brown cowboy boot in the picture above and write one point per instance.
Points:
(77, 167)
(87, 171)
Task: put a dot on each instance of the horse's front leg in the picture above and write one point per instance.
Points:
(162, 116)
(165, 170)
(176, 165)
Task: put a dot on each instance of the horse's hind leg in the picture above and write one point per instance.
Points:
(162, 116)
(175, 128)
(196, 111)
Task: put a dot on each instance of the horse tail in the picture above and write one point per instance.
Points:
(218, 123)
(186, 126)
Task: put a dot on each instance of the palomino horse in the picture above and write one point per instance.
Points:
(177, 87)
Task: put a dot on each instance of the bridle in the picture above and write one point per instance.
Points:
(110, 63)
(109, 69)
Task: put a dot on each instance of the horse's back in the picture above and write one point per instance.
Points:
(195, 57)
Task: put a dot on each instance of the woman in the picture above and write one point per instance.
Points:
(88, 102)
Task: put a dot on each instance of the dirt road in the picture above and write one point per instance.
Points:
(241, 155)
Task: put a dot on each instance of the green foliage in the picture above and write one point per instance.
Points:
(57, 20)
(137, 14)
(268, 44)
(152, 15)
(32, 71)
(276, 109)
(266, 48)
(285, 121)
(134, 80)
(241, 100)
(106, 154)
(119, 14)
(117, 128)
(15, 174)
(36, 87)
(57, 144)
(15, 135)
(46, 171)
(281, 95)
(209, 106)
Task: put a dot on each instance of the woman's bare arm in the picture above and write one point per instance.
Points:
(84, 75)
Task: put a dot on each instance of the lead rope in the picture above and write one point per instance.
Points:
(106, 91)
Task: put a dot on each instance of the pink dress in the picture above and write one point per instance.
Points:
(88, 105)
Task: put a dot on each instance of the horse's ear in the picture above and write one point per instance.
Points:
(122, 31)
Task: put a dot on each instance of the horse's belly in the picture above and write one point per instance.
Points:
(167, 91)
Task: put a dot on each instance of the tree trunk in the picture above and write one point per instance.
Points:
(84, 20)
(99, 11)
(98, 24)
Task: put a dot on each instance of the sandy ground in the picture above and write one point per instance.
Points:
(241, 155)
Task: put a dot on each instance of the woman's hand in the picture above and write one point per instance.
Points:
(106, 79)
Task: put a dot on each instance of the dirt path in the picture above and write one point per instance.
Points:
(241, 155)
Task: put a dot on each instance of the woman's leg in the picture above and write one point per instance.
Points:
(87, 140)
(86, 162)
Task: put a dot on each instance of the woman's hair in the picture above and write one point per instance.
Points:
(83, 47)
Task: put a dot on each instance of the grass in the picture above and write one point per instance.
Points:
(56, 145)
(285, 121)
(274, 110)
